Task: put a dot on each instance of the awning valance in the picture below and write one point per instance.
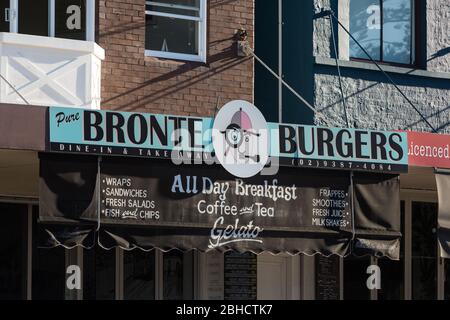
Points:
(184, 239)
(68, 201)
(377, 214)
(67, 189)
(156, 204)
(67, 236)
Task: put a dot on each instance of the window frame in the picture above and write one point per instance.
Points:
(415, 41)
(201, 37)
(89, 23)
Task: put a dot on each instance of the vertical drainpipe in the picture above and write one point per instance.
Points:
(29, 251)
(280, 60)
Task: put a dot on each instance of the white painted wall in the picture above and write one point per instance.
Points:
(50, 71)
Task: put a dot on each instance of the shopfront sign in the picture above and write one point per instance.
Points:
(429, 150)
(233, 211)
(242, 137)
(337, 148)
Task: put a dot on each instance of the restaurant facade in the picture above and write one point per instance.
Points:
(145, 156)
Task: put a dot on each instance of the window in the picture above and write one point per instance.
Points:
(48, 273)
(13, 252)
(393, 272)
(4, 14)
(355, 277)
(384, 28)
(139, 275)
(178, 275)
(33, 17)
(70, 19)
(176, 29)
(49, 265)
(99, 270)
(424, 251)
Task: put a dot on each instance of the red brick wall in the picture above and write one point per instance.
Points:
(133, 82)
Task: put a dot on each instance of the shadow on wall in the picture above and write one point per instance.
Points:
(120, 28)
(128, 26)
(227, 57)
(368, 82)
(180, 74)
(217, 3)
(441, 127)
(439, 54)
(406, 79)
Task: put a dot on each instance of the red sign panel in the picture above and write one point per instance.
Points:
(428, 150)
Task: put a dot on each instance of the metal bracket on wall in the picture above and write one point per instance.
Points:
(242, 49)
(241, 36)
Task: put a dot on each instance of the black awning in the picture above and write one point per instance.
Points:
(67, 189)
(377, 215)
(156, 204)
(203, 207)
(443, 187)
(67, 236)
(184, 239)
(68, 200)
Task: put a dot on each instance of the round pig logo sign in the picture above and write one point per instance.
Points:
(241, 139)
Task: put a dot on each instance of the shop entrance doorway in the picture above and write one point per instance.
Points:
(278, 277)
(272, 277)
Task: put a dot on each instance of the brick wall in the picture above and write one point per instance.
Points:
(133, 82)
